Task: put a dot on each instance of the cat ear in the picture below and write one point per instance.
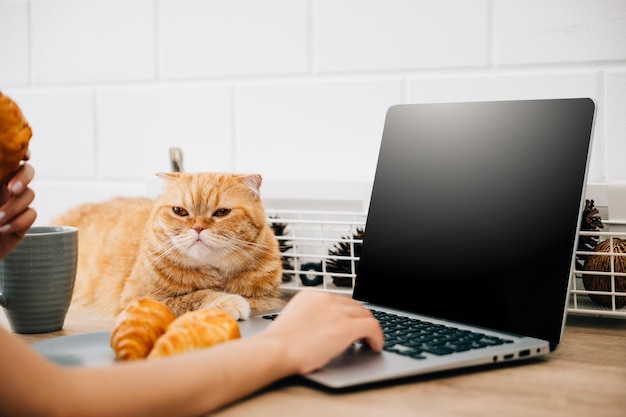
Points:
(254, 182)
(168, 175)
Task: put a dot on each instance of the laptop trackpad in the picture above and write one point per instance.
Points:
(358, 364)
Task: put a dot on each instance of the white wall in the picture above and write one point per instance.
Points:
(296, 90)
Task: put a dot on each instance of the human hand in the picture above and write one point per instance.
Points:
(16, 215)
(316, 326)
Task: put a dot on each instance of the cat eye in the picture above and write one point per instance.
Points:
(221, 212)
(180, 211)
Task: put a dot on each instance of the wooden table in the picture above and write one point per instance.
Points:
(585, 376)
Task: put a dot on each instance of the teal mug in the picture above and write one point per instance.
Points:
(37, 279)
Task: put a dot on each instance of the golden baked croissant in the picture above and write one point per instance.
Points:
(196, 329)
(138, 327)
(15, 134)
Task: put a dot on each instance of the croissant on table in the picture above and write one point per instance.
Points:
(15, 134)
(147, 328)
(194, 330)
(138, 327)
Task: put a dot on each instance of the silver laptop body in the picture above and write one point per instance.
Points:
(473, 224)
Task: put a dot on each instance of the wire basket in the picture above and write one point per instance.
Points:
(320, 249)
(607, 295)
(309, 241)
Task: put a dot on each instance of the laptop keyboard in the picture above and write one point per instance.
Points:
(413, 337)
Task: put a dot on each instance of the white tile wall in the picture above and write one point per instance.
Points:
(296, 90)
(138, 124)
(90, 41)
(326, 130)
(374, 35)
(199, 38)
(63, 145)
(616, 125)
(531, 32)
(14, 43)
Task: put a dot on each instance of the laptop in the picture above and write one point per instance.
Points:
(471, 231)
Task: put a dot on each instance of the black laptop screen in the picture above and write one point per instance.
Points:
(474, 212)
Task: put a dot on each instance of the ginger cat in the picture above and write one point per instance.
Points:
(204, 242)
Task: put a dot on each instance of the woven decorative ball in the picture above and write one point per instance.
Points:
(602, 263)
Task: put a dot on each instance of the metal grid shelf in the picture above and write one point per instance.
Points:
(308, 237)
(310, 244)
(581, 301)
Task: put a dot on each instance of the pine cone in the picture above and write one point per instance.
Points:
(591, 221)
(284, 245)
(344, 266)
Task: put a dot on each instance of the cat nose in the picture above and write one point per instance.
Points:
(198, 229)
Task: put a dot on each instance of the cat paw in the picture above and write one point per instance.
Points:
(235, 305)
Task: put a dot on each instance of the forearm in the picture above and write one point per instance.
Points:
(312, 329)
(188, 385)
(183, 385)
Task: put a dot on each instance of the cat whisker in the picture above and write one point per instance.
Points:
(267, 248)
(163, 250)
(240, 246)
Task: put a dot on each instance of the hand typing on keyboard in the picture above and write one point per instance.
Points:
(317, 326)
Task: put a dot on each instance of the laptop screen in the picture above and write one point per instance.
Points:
(475, 210)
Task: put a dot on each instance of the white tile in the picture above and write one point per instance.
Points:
(313, 131)
(276, 192)
(559, 31)
(617, 201)
(616, 125)
(137, 127)
(200, 38)
(503, 86)
(367, 35)
(53, 198)
(62, 145)
(91, 41)
(14, 68)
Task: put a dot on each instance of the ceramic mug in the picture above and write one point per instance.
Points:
(37, 279)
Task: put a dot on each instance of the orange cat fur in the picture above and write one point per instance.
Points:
(204, 242)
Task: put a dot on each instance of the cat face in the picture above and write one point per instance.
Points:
(210, 218)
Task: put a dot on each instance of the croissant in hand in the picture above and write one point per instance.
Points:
(194, 330)
(15, 134)
(138, 327)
